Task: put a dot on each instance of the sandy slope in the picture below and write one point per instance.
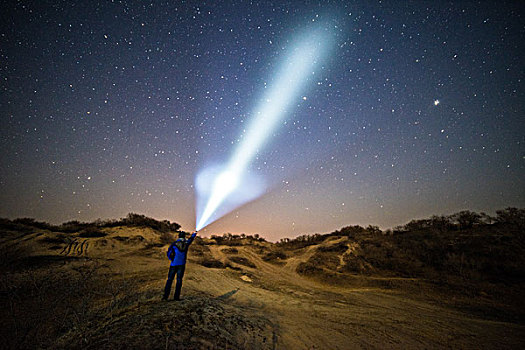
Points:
(267, 307)
(310, 315)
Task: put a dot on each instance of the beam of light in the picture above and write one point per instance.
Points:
(222, 189)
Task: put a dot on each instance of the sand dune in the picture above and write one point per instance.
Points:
(64, 291)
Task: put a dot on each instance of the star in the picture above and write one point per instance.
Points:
(359, 126)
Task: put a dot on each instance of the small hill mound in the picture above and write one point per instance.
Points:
(194, 323)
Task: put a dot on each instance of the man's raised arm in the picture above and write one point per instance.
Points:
(192, 237)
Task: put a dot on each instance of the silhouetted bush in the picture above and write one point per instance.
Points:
(302, 241)
(334, 248)
(374, 230)
(236, 240)
(9, 225)
(92, 232)
(466, 219)
(440, 223)
(74, 226)
(350, 231)
(464, 246)
(32, 222)
(512, 216)
(143, 221)
(227, 239)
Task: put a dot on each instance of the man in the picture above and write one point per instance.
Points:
(177, 254)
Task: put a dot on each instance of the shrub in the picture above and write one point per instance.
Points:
(340, 247)
(59, 239)
(236, 240)
(275, 255)
(32, 222)
(511, 216)
(212, 263)
(199, 250)
(351, 231)
(230, 250)
(166, 238)
(91, 232)
(7, 224)
(308, 269)
(138, 220)
(302, 241)
(74, 226)
(467, 219)
(242, 261)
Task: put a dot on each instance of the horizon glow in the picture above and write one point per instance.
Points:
(222, 189)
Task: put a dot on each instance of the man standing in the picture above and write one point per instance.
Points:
(177, 254)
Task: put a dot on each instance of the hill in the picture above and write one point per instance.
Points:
(453, 281)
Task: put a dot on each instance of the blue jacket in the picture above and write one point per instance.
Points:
(180, 256)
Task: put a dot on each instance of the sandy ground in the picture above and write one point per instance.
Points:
(271, 306)
(311, 315)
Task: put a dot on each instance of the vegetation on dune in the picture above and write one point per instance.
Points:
(43, 306)
(65, 298)
(236, 240)
(90, 229)
(466, 244)
(242, 261)
(230, 250)
(276, 255)
(469, 252)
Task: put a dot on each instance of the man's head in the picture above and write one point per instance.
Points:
(182, 234)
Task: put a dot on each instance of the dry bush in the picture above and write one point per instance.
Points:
(208, 324)
(339, 248)
(58, 239)
(302, 241)
(242, 261)
(167, 238)
(74, 226)
(356, 264)
(212, 263)
(32, 222)
(92, 232)
(275, 256)
(13, 256)
(309, 269)
(42, 305)
(199, 250)
(8, 225)
(230, 250)
(138, 220)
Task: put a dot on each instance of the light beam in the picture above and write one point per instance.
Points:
(232, 185)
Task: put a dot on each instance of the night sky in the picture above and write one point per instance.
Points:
(114, 107)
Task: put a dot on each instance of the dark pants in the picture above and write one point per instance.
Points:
(179, 271)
